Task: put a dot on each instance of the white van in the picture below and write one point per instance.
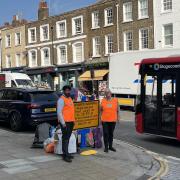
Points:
(20, 80)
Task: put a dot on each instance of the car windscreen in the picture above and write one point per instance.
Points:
(43, 96)
(24, 82)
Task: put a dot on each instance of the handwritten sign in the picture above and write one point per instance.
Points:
(86, 114)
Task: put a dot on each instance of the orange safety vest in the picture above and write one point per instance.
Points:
(68, 109)
(109, 110)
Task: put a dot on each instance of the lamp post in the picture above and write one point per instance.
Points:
(52, 35)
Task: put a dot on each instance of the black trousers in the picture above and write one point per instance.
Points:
(108, 131)
(66, 134)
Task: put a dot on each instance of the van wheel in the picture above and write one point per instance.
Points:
(16, 121)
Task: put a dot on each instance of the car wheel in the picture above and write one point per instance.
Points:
(16, 121)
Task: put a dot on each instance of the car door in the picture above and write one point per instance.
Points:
(10, 97)
(2, 92)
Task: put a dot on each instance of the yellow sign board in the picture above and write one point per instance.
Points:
(86, 114)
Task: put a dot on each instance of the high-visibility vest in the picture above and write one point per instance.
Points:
(68, 109)
(109, 110)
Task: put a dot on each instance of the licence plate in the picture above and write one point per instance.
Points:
(50, 110)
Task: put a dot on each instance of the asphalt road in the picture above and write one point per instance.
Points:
(125, 131)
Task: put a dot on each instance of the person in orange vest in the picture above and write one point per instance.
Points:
(109, 116)
(66, 119)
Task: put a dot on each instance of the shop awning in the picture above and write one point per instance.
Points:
(98, 75)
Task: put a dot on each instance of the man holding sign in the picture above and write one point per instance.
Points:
(66, 119)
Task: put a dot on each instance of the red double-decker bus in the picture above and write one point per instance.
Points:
(158, 104)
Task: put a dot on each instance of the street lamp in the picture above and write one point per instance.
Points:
(52, 35)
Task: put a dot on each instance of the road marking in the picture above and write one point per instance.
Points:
(19, 169)
(173, 158)
(15, 163)
(39, 159)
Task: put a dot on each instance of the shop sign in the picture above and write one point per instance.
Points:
(86, 114)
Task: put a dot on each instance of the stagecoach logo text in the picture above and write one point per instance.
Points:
(161, 66)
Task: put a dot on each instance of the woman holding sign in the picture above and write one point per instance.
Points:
(109, 117)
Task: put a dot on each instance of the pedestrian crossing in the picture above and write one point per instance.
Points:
(29, 164)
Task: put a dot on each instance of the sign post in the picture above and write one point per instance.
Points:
(86, 114)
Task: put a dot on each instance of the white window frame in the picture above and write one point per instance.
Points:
(16, 39)
(42, 56)
(140, 39)
(30, 57)
(29, 35)
(74, 51)
(106, 44)
(58, 29)
(139, 10)
(125, 41)
(73, 25)
(94, 47)
(163, 6)
(8, 57)
(18, 61)
(59, 54)
(168, 45)
(41, 32)
(106, 18)
(6, 41)
(124, 12)
(93, 20)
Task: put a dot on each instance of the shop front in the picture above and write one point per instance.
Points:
(43, 77)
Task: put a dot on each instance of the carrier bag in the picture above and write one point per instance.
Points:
(97, 134)
(72, 145)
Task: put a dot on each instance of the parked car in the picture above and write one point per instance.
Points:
(21, 107)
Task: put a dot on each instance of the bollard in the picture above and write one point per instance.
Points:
(83, 133)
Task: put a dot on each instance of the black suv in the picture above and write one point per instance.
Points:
(27, 107)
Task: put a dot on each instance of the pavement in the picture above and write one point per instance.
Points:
(19, 162)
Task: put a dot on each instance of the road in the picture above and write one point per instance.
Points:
(125, 131)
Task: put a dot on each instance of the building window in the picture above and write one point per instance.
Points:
(32, 35)
(61, 29)
(95, 20)
(62, 54)
(168, 35)
(8, 61)
(18, 39)
(44, 32)
(18, 60)
(77, 25)
(45, 57)
(78, 52)
(144, 39)
(128, 41)
(127, 11)
(143, 9)
(167, 5)
(32, 58)
(109, 44)
(108, 14)
(96, 46)
(8, 40)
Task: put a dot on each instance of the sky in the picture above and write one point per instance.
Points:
(27, 9)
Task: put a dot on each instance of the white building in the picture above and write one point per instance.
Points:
(0, 50)
(167, 24)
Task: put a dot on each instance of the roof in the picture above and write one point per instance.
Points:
(166, 60)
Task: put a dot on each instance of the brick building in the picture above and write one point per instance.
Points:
(13, 50)
(62, 47)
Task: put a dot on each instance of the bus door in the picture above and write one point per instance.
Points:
(150, 103)
(167, 104)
